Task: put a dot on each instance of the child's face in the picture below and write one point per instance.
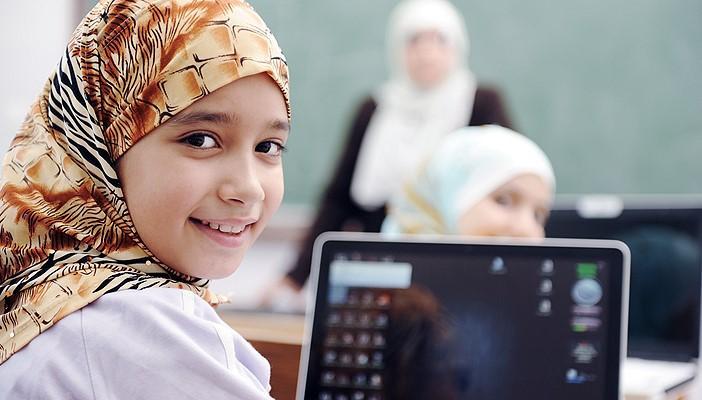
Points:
(518, 208)
(201, 187)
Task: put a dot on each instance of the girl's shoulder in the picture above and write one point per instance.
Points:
(158, 303)
(153, 316)
(148, 342)
(165, 320)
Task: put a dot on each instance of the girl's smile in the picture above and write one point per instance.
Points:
(229, 233)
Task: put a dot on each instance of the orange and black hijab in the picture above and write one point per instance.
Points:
(66, 236)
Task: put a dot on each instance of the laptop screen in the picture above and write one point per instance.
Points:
(665, 238)
(417, 320)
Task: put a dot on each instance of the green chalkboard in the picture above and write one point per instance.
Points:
(612, 90)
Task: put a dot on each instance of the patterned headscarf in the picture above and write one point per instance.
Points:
(464, 168)
(66, 237)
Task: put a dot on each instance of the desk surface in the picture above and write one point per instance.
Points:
(270, 327)
(278, 337)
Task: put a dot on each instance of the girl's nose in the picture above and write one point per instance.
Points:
(526, 226)
(241, 184)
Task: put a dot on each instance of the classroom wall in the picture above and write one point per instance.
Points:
(611, 90)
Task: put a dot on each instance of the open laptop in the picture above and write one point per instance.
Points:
(441, 318)
(664, 234)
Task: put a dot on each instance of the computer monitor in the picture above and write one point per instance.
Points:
(664, 234)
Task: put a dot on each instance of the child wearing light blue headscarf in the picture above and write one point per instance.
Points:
(465, 168)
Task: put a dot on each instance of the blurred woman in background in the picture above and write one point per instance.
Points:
(430, 92)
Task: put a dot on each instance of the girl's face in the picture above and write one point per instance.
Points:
(429, 58)
(518, 208)
(201, 187)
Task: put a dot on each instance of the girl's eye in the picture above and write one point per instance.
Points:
(504, 199)
(200, 141)
(270, 148)
(441, 39)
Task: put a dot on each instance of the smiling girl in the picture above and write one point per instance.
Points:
(150, 163)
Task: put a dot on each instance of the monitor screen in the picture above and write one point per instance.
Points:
(665, 238)
(409, 320)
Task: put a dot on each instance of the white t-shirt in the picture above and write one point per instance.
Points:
(156, 343)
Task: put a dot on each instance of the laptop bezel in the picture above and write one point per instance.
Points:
(613, 378)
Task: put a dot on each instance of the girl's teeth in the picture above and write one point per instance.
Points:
(226, 229)
(223, 228)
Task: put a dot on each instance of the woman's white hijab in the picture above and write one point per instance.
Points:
(409, 119)
(467, 166)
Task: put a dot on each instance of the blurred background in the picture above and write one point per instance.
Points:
(612, 91)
